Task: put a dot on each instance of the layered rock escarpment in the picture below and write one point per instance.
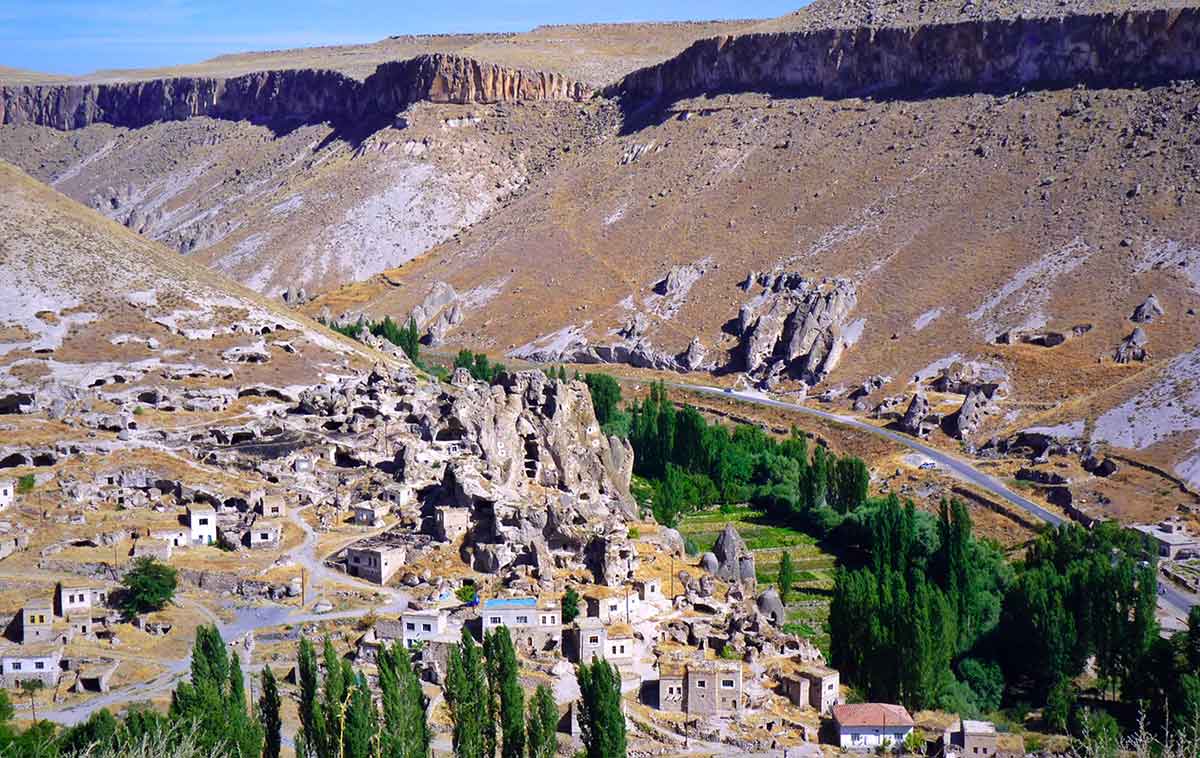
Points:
(996, 55)
(297, 94)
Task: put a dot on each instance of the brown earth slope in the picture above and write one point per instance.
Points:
(86, 303)
(959, 218)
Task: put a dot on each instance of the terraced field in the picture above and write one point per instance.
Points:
(808, 608)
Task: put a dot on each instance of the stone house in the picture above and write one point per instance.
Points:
(371, 513)
(1170, 539)
(812, 686)
(80, 624)
(533, 625)
(450, 523)
(648, 590)
(264, 533)
(272, 506)
(397, 495)
(8, 492)
(374, 561)
(75, 597)
(202, 524)
(612, 604)
(867, 726)
(37, 622)
(152, 547)
(970, 738)
(42, 662)
(591, 638)
(700, 687)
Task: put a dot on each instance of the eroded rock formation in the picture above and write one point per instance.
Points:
(287, 95)
(798, 326)
(996, 55)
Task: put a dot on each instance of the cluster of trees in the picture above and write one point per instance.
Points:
(938, 619)
(478, 364)
(929, 591)
(406, 337)
(339, 717)
(695, 464)
(606, 399)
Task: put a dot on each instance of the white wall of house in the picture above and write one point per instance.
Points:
(7, 493)
(870, 737)
(203, 527)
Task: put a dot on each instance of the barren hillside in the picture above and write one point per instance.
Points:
(87, 303)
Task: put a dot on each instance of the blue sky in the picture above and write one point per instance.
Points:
(79, 36)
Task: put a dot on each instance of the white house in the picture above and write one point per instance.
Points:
(866, 726)
(423, 626)
(371, 513)
(202, 524)
(8, 491)
(73, 598)
(41, 662)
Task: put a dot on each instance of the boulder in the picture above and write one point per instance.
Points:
(709, 563)
(770, 605)
(735, 562)
(692, 359)
(914, 418)
(1133, 348)
(804, 322)
(1148, 311)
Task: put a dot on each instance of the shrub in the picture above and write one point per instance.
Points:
(26, 483)
(467, 593)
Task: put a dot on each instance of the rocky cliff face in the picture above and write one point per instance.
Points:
(997, 55)
(290, 95)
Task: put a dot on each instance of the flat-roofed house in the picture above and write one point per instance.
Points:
(538, 626)
(376, 563)
(700, 687)
(73, 597)
(264, 533)
(971, 738)
(430, 625)
(42, 662)
(451, 522)
(812, 686)
(611, 604)
(371, 512)
(867, 726)
(272, 506)
(8, 491)
(37, 621)
(202, 524)
(1171, 539)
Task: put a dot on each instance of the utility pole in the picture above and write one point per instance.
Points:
(303, 587)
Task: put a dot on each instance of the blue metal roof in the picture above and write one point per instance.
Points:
(510, 602)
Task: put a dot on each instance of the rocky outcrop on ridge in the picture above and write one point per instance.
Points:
(1148, 310)
(1133, 347)
(996, 55)
(289, 95)
(797, 326)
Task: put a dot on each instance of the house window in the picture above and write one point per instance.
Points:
(727, 683)
(426, 628)
(522, 619)
(39, 665)
(702, 684)
(593, 640)
(496, 620)
(411, 627)
(16, 666)
(203, 522)
(263, 536)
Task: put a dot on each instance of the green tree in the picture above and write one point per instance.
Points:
(986, 682)
(215, 699)
(601, 720)
(466, 693)
(361, 729)
(543, 724)
(311, 740)
(149, 585)
(405, 732)
(268, 713)
(787, 576)
(335, 700)
(505, 687)
(570, 605)
(1059, 703)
